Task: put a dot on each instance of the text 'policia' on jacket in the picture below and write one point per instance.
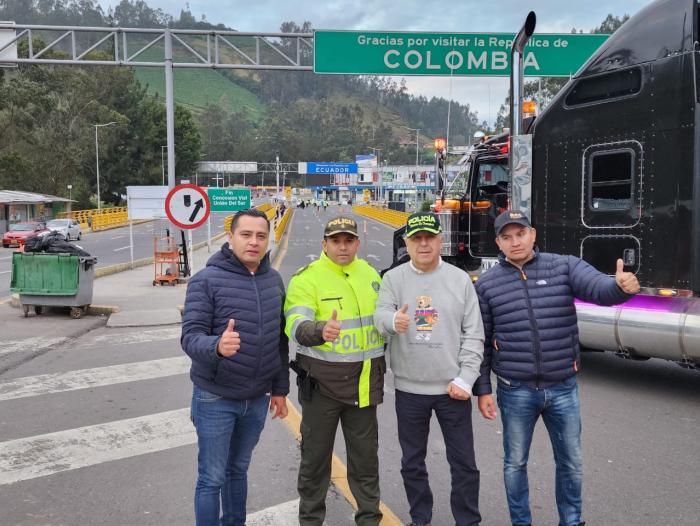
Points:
(351, 368)
(530, 317)
(225, 289)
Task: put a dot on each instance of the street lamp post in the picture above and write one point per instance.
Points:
(277, 170)
(97, 160)
(415, 130)
(381, 183)
(415, 175)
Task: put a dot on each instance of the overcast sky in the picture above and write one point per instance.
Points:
(484, 95)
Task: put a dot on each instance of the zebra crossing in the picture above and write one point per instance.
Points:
(121, 375)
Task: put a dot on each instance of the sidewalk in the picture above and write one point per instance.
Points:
(130, 295)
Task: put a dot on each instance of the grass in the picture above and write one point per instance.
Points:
(195, 88)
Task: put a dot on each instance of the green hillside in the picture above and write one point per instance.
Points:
(195, 88)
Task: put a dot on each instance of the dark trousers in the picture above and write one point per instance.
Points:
(413, 412)
(319, 422)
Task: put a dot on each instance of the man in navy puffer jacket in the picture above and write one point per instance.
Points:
(527, 305)
(233, 329)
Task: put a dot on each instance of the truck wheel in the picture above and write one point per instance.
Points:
(76, 313)
(38, 310)
(4, 245)
(25, 308)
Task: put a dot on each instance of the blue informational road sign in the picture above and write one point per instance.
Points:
(331, 168)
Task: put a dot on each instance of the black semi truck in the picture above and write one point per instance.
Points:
(610, 169)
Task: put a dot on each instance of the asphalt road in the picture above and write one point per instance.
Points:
(641, 422)
(113, 246)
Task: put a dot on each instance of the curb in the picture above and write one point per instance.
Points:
(122, 267)
(114, 269)
(102, 310)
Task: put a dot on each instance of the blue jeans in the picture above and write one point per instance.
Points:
(227, 432)
(521, 406)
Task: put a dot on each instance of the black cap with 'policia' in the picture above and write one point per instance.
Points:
(423, 222)
(341, 225)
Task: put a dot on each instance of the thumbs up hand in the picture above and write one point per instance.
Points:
(626, 280)
(401, 319)
(331, 330)
(230, 341)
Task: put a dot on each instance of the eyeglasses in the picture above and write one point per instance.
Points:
(510, 238)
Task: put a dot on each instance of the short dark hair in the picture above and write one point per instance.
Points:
(251, 212)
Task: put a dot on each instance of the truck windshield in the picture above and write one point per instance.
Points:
(459, 187)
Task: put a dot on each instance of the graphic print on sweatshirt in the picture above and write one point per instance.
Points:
(426, 317)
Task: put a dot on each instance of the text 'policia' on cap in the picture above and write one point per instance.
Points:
(422, 222)
(341, 225)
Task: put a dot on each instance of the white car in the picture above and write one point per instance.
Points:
(68, 227)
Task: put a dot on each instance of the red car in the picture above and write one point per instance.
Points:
(19, 232)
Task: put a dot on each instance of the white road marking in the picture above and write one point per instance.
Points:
(3, 259)
(41, 455)
(36, 343)
(121, 248)
(372, 256)
(117, 237)
(155, 335)
(312, 257)
(5, 272)
(285, 514)
(98, 377)
(378, 242)
(375, 227)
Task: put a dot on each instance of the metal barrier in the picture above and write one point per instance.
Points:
(384, 215)
(282, 225)
(99, 219)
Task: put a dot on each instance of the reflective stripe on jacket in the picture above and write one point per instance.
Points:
(319, 289)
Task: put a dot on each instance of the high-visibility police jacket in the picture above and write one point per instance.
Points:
(351, 368)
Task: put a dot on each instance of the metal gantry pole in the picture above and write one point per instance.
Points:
(170, 106)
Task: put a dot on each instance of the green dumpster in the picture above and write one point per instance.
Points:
(53, 280)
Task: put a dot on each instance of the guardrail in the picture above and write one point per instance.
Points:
(385, 215)
(282, 225)
(99, 219)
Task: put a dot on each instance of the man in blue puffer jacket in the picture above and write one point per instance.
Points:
(233, 329)
(527, 305)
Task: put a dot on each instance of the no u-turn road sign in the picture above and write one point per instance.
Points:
(187, 206)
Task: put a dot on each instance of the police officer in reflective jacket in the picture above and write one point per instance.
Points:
(340, 357)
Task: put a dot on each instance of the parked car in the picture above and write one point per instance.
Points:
(20, 231)
(70, 228)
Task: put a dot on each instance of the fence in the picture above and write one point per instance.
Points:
(390, 217)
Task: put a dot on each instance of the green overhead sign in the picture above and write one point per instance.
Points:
(229, 199)
(463, 54)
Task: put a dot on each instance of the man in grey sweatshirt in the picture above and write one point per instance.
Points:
(430, 313)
